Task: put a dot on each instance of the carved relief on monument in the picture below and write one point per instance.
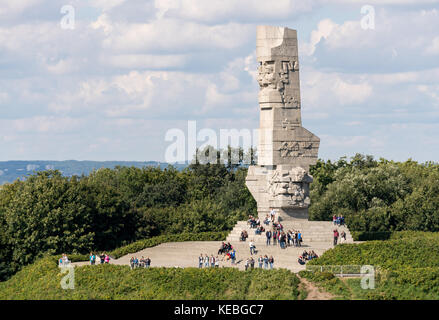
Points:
(266, 76)
(296, 149)
(290, 187)
(268, 83)
(276, 86)
(288, 125)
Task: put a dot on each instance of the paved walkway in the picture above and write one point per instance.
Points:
(317, 237)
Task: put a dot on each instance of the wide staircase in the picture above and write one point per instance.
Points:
(317, 236)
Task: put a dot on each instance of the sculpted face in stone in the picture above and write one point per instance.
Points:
(286, 149)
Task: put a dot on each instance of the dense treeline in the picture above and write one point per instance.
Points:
(50, 213)
(377, 195)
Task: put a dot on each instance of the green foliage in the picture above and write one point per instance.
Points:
(41, 280)
(376, 196)
(414, 252)
(367, 235)
(50, 213)
(407, 266)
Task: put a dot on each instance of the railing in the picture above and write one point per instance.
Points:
(339, 270)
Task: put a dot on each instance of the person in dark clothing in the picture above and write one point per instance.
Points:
(268, 235)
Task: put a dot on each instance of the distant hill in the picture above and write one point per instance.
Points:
(12, 170)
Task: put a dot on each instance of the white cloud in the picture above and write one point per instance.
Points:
(171, 35)
(4, 97)
(145, 61)
(220, 10)
(41, 124)
(434, 47)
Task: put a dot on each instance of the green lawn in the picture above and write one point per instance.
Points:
(41, 280)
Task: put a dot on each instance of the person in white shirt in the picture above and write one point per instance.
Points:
(252, 247)
(273, 215)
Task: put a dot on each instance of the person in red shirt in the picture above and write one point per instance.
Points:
(335, 236)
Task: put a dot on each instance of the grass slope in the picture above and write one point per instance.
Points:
(41, 280)
(409, 264)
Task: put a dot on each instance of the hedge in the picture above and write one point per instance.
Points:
(369, 235)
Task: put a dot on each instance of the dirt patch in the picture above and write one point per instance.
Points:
(314, 292)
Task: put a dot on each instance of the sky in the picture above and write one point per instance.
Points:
(107, 79)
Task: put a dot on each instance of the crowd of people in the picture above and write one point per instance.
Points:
(276, 236)
(142, 263)
(284, 239)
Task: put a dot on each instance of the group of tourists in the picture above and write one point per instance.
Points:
(244, 235)
(338, 220)
(263, 261)
(208, 262)
(253, 222)
(225, 248)
(284, 239)
(337, 235)
(63, 261)
(307, 256)
(142, 263)
(104, 258)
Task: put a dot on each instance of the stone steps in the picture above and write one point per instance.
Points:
(312, 231)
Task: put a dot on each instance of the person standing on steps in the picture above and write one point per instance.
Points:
(233, 256)
(272, 214)
(92, 259)
(265, 262)
(206, 260)
(299, 239)
(252, 247)
(268, 235)
(271, 262)
(335, 236)
(200, 261)
(217, 262)
(212, 261)
(343, 237)
(102, 257)
(260, 261)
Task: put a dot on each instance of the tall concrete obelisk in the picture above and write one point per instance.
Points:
(286, 149)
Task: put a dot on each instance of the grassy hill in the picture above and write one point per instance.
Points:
(41, 280)
(408, 267)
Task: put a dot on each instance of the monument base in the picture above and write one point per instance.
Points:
(271, 187)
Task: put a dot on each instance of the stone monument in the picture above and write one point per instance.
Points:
(286, 149)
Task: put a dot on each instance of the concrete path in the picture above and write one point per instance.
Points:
(317, 236)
